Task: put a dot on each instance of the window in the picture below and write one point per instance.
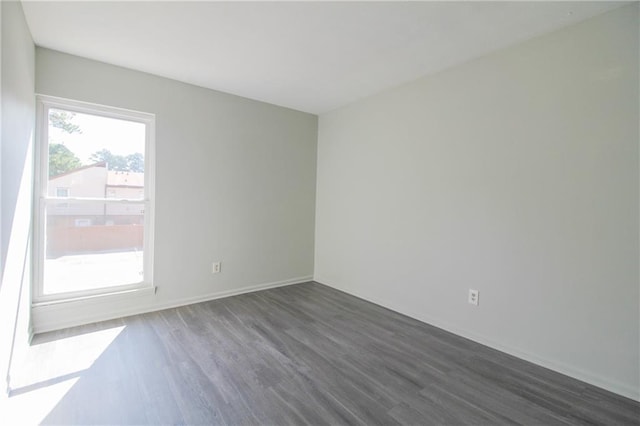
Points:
(94, 190)
(83, 222)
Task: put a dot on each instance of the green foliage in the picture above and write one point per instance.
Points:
(121, 163)
(61, 160)
(135, 162)
(62, 120)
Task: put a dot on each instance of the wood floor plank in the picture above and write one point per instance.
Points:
(303, 354)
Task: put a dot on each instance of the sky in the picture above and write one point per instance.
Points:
(121, 137)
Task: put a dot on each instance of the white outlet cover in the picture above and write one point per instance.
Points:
(474, 297)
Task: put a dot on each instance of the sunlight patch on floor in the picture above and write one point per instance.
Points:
(56, 358)
(31, 408)
(43, 373)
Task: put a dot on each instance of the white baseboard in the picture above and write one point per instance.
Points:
(616, 387)
(64, 315)
(229, 293)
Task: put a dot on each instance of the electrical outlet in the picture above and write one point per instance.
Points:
(474, 297)
(216, 268)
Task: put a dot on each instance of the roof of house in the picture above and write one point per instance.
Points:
(98, 164)
(115, 179)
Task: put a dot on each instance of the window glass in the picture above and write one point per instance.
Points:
(96, 238)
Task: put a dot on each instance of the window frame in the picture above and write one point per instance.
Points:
(42, 199)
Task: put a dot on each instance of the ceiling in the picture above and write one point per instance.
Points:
(309, 56)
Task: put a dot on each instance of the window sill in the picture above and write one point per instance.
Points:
(113, 295)
(60, 314)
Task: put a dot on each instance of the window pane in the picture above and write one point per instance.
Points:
(97, 244)
(92, 245)
(62, 192)
(91, 156)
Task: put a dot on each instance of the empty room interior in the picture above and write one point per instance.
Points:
(273, 213)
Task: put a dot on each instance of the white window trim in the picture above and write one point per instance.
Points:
(41, 199)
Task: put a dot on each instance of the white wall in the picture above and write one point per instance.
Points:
(235, 182)
(515, 174)
(18, 111)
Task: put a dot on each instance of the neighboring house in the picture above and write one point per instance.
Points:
(81, 227)
(95, 181)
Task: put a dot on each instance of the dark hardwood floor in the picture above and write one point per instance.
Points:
(308, 354)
